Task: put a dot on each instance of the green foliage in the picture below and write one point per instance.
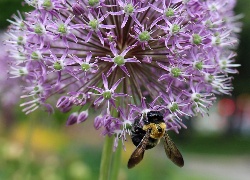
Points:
(8, 8)
(217, 145)
(241, 81)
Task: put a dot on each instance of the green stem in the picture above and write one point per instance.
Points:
(107, 153)
(109, 169)
(116, 162)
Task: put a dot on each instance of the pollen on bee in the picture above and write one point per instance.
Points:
(157, 130)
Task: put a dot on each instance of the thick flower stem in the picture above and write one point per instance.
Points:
(110, 162)
(106, 158)
(116, 162)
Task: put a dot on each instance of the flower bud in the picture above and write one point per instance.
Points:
(82, 116)
(98, 122)
(64, 104)
(72, 119)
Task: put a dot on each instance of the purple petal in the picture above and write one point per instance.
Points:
(135, 19)
(88, 36)
(97, 89)
(156, 21)
(77, 26)
(165, 76)
(119, 94)
(124, 69)
(71, 35)
(99, 34)
(169, 84)
(121, 113)
(99, 100)
(90, 16)
(116, 84)
(132, 60)
(105, 82)
(153, 102)
(76, 59)
(121, 3)
(113, 49)
(108, 59)
(102, 18)
(89, 55)
(117, 13)
(156, 8)
(64, 55)
(134, 108)
(127, 50)
(68, 20)
(53, 56)
(107, 26)
(124, 21)
(111, 70)
(163, 67)
(64, 38)
(141, 9)
(112, 102)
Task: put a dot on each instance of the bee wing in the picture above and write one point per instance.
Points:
(172, 151)
(138, 153)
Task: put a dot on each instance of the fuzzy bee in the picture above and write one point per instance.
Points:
(147, 135)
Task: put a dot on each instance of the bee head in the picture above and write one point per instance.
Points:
(154, 117)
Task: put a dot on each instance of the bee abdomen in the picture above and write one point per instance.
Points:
(152, 143)
(136, 138)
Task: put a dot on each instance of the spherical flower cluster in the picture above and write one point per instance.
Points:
(10, 90)
(125, 57)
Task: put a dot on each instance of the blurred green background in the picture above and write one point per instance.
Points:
(216, 147)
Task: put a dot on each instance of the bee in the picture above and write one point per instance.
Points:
(147, 135)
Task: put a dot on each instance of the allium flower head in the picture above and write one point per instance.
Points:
(125, 56)
(10, 88)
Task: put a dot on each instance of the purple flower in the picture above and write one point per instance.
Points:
(167, 11)
(125, 57)
(129, 8)
(119, 59)
(107, 93)
(62, 29)
(86, 65)
(10, 90)
(94, 25)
